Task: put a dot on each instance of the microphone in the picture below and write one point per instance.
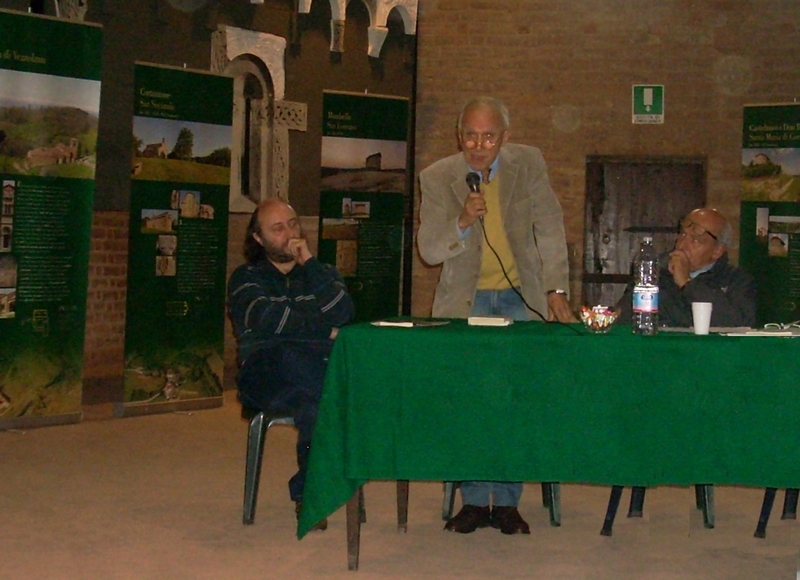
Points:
(474, 182)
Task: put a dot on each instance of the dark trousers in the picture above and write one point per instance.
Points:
(288, 377)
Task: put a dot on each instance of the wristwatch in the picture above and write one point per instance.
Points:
(557, 291)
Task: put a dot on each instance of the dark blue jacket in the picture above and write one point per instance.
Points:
(267, 306)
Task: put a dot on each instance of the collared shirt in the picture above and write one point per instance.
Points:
(696, 273)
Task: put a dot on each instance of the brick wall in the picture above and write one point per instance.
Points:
(565, 70)
(105, 309)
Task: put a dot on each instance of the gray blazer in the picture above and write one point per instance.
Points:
(532, 218)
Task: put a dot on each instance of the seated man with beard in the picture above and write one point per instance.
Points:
(286, 308)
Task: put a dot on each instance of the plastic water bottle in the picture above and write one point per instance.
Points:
(645, 289)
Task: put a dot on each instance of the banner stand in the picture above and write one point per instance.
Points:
(177, 250)
(29, 422)
(122, 410)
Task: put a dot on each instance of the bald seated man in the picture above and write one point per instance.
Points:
(697, 270)
(286, 308)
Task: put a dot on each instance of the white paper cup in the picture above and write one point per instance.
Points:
(701, 314)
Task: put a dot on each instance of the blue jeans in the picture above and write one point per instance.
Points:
(482, 493)
(499, 303)
(288, 376)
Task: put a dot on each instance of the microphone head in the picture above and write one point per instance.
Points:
(474, 182)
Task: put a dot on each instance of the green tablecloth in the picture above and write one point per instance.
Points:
(541, 402)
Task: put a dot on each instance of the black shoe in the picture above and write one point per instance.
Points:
(507, 519)
(320, 526)
(469, 519)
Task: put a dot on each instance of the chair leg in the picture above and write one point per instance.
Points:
(554, 493)
(636, 507)
(402, 505)
(547, 495)
(449, 500)
(766, 509)
(611, 511)
(790, 504)
(705, 495)
(256, 437)
(698, 497)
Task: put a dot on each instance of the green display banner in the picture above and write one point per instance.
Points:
(49, 106)
(769, 243)
(178, 240)
(365, 189)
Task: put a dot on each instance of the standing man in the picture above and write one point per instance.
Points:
(502, 245)
(286, 308)
(697, 270)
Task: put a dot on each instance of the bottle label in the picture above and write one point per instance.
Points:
(645, 299)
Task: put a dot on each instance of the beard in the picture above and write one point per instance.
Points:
(278, 254)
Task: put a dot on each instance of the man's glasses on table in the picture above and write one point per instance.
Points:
(783, 325)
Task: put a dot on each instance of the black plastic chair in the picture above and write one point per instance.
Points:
(551, 499)
(704, 500)
(789, 508)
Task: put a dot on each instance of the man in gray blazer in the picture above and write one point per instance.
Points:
(490, 217)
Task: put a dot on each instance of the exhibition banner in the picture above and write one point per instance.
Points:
(364, 192)
(178, 240)
(49, 106)
(769, 242)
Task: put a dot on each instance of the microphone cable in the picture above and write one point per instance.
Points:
(517, 292)
(474, 182)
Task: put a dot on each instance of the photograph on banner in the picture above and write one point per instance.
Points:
(48, 125)
(181, 157)
(364, 188)
(167, 150)
(49, 110)
(769, 244)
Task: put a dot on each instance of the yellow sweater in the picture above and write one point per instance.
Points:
(492, 277)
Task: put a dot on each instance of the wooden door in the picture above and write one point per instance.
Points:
(626, 198)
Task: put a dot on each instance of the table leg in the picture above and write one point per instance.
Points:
(354, 529)
(402, 505)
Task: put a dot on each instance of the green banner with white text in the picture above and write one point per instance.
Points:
(365, 195)
(769, 246)
(178, 240)
(49, 106)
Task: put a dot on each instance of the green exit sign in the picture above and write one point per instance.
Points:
(648, 104)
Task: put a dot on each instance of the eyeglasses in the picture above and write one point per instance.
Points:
(695, 232)
(472, 139)
(783, 325)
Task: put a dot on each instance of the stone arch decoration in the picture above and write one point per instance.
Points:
(378, 15)
(262, 121)
(72, 9)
